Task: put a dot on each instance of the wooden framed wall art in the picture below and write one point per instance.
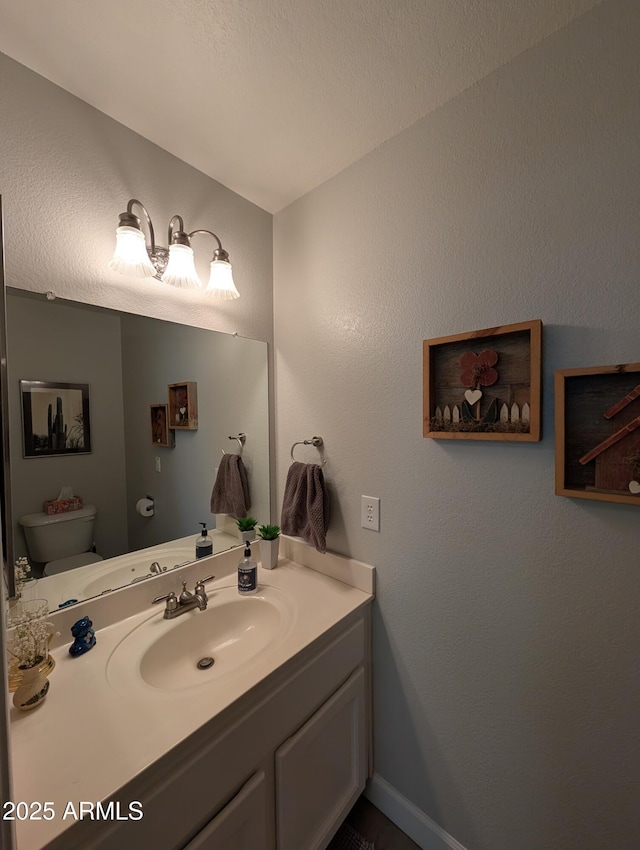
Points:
(161, 434)
(484, 385)
(597, 425)
(183, 406)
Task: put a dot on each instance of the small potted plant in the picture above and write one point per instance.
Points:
(269, 545)
(247, 528)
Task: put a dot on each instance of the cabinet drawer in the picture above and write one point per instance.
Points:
(241, 825)
(322, 769)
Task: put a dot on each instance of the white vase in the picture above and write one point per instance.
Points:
(248, 536)
(32, 689)
(269, 553)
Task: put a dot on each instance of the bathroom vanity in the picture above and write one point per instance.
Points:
(268, 751)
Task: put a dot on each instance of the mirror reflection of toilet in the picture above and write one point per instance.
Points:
(61, 541)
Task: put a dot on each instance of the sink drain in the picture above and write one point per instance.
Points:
(205, 663)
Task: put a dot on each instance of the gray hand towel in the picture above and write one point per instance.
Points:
(305, 505)
(231, 491)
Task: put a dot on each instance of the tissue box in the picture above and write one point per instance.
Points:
(62, 506)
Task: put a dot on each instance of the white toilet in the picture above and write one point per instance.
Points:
(61, 541)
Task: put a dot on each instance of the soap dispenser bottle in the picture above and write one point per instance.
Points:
(204, 544)
(247, 574)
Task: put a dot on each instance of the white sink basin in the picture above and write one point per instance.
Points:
(233, 632)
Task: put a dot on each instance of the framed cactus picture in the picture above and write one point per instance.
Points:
(484, 385)
(55, 418)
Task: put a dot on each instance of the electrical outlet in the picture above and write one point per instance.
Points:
(370, 509)
(158, 465)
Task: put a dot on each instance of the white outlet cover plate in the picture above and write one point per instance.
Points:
(370, 512)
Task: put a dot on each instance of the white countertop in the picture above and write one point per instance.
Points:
(88, 738)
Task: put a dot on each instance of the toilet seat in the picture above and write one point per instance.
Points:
(61, 565)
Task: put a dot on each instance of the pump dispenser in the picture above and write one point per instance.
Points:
(247, 574)
(204, 544)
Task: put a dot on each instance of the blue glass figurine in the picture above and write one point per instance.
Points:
(85, 637)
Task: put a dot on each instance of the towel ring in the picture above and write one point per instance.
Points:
(241, 438)
(318, 442)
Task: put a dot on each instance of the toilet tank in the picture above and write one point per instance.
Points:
(60, 535)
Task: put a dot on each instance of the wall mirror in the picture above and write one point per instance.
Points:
(127, 366)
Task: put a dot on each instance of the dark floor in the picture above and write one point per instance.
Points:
(377, 828)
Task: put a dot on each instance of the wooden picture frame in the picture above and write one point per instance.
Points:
(55, 418)
(597, 433)
(161, 434)
(484, 385)
(183, 406)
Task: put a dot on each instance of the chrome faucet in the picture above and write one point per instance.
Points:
(177, 605)
(156, 569)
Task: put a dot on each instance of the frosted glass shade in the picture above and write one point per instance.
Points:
(221, 283)
(181, 269)
(130, 256)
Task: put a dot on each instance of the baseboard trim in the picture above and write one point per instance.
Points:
(409, 818)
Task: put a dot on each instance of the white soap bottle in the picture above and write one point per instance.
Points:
(247, 574)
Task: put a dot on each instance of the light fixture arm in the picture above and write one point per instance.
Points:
(177, 235)
(129, 218)
(219, 253)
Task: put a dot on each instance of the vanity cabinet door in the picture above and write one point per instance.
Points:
(241, 825)
(322, 769)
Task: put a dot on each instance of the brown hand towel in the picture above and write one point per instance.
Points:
(231, 491)
(305, 505)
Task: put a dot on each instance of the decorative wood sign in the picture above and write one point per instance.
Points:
(484, 385)
(183, 406)
(161, 434)
(597, 424)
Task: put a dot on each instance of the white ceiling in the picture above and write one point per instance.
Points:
(272, 97)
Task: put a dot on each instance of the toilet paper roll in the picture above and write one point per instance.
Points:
(145, 507)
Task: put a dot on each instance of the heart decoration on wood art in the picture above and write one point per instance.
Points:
(472, 396)
(634, 487)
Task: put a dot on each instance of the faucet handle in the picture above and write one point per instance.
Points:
(172, 602)
(200, 583)
(204, 580)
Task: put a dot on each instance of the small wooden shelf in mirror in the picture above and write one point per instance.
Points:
(161, 434)
(183, 406)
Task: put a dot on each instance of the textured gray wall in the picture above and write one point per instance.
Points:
(506, 630)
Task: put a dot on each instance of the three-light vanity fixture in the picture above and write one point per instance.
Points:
(174, 265)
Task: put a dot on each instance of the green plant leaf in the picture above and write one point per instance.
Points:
(246, 523)
(269, 532)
